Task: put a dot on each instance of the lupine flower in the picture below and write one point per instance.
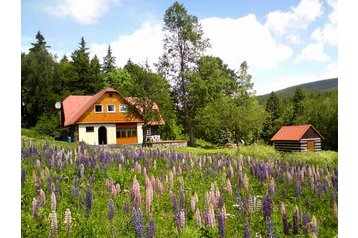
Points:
(53, 222)
(174, 203)
(135, 193)
(246, 183)
(269, 228)
(53, 202)
(38, 165)
(228, 186)
(198, 217)
(82, 171)
(159, 186)
(211, 216)
(258, 235)
(305, 222)
(115, 189)
(247, 233)
(125, 207)
(297, 188)
(89, 198)
(68, 220)
(182, 198)
(149, 197)
(42, 197)
(194, 200)
(272, 187)
(286, 225)
(181, 219)
(138, 222)
(314, 225)
(295, 220)
(267, 207)
(335, 209)
(111, 209)
(151, 228)
(221, 222)
(251, 203)
(35, 206)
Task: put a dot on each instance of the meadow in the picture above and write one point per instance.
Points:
(74, 190)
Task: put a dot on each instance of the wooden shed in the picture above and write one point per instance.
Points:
(297, 138)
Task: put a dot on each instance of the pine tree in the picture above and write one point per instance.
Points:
(109, 61)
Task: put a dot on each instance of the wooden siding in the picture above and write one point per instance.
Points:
(90, 116)
(301, 145)
(127, 140)
(310, 133)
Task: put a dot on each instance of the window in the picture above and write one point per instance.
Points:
(89, 129)
(149, 130)
(126, 132)
(98, 108)
(111, 108)
(123, 108)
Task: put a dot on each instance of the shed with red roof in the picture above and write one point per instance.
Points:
(297, 138)
(103, 119)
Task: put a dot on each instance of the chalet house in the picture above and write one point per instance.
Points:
(297, 138)
(104, 119)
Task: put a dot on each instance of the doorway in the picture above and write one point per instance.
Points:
(102, 135)
(310, 145)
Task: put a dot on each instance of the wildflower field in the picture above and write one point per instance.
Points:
(97, 192)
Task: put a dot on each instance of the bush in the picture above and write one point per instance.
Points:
(48, 125)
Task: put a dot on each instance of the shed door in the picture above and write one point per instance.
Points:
(310, 145)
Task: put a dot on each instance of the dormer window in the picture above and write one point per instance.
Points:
(111, 108)
(123, 108)
(98, 108)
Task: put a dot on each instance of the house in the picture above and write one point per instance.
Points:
(104, 119)
(297, 138)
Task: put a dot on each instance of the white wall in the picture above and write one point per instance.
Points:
(91, 138)
(140, 133)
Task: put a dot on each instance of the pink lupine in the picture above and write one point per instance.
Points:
(246, 183)
(198, 217)
(115, 189)
(152, 180)
(159, 186)
(53, 202)
(35, 206)
(54, 226)
(149, 198)
(211, 216)
(194, 200)
(108, 184)
(38, 165)
(42, 197)
(228, 186)
(135, 193)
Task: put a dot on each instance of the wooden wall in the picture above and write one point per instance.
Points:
(90, 116)
(301, 145)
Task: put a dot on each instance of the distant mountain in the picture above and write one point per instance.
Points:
(321, 85)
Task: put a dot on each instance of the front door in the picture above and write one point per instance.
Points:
(310, 145)
(102, 135)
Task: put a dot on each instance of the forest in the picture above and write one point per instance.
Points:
(199, 96)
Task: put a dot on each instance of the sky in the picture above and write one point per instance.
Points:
(285, 42)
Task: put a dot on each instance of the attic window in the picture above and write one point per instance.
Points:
(98, 108)
(111, 108)
(123, 108)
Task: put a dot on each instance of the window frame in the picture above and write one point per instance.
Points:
(114, 108)
(123, 105)
(89, 129)
(98, 105)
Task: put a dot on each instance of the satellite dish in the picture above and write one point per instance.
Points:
(58, 105)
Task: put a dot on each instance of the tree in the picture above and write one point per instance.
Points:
(109, 62)
(183, 45)
(150, 89)
(37, 82)
(273, 122)
(297, 100)
(96, 80)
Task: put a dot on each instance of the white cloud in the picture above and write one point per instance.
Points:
(329, 32)
(285, 25)
(236, 40)
(143, 44)
(312, 52)
(331, 71)
(83, 11)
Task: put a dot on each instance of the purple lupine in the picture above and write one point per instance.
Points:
(295, 220)
(305, 222)
(138, 222)
(228, 185)
(267, 207)
(89, 198)
(247, 233)
(269, 228)
(182, 199)
(271, 187)
(286, 225)
(221, 223)
(42, 197)
(193, 201)
(181, 219)
(297, 188)
(151, 228)
(54, 226)
(125, 207)
(111, 209)
(314, 226)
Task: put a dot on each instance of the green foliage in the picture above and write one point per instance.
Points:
(48, 125)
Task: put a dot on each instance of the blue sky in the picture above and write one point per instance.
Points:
(285, 42)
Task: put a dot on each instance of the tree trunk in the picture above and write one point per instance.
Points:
(144, 131)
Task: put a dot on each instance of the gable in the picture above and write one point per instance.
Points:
(294, 133)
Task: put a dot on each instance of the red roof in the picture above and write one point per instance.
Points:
(75, 106)
(293, 132)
